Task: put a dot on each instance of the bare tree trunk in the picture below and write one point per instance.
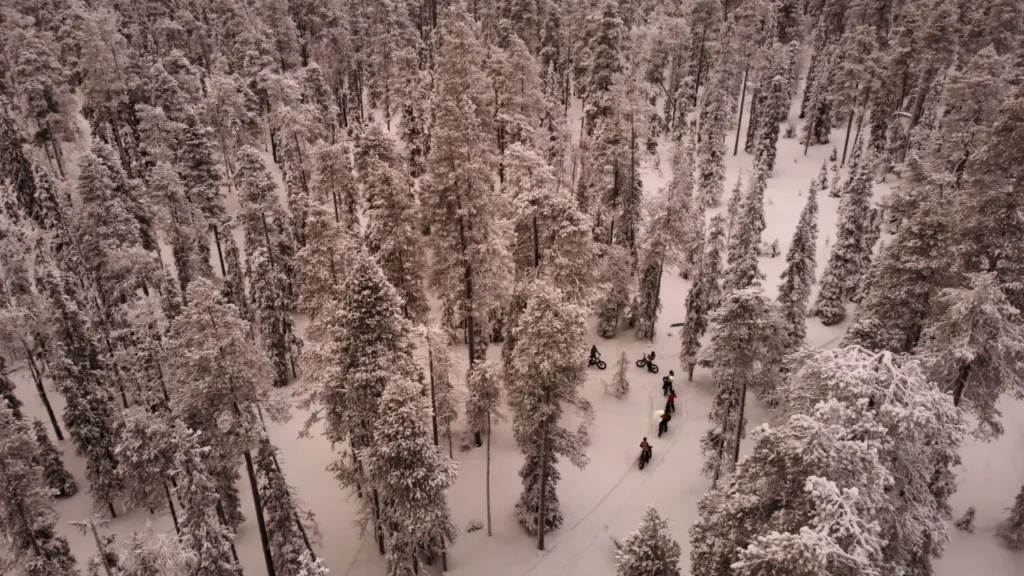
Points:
(739, 425)
(260, 521)
(37, 377)
(739, 121)
(960, 383)
(433, 398)
(99, 546)
(170, 505)
(220, 253)
(846, 142)
(488, 473)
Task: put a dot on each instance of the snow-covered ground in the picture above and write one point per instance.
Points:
(606, 500)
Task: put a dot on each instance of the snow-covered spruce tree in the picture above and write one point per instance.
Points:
(617, 279)
(1012, 532)
(975, 346)
(411, 477)
(845, 267)
(90, 414)
(745, 241)
(776, 105)
(717, 108)
(993, 177)
(220, 381)
(26, 520)
(392, 234)
(209, 543)
(732, 210)
(332, 184)
(55, 475)
(195, 163)
(666, 235)
(746, 350)
(468, 235)
(877, 394)
(798, 277)
(357, 344)
(483, 407)
(713, 264)
(145, 454)
(288, 538)
(619, 386)
(650, 550)
(547, 377)
(442, 388)
(518, 100)
(914, 266)
(818, 100)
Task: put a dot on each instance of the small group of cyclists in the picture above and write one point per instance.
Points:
(668, 390)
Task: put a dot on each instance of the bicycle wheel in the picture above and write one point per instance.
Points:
(601, 364)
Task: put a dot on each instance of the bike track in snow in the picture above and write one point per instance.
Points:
(589, 528)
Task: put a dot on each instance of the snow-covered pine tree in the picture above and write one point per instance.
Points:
(145, 456)
(1012, 532)
(178, 220)
(23, 331)
(220, 381)
(209, 543)
(79, 374)
(667, 234)
(732, 210)
(311, 565)
(26, 519)
(333, 185)
(151, 554)
(411, 476)
(698, 304)
(268, 292)
(813, 514)
(975, 344)
(17, 170)
(323, 263)
(993, 186)
(849, 386)
(392, 234)
(234, 279)
(468, 234)
(288, 537)
(845, 266)
(619, 385)
(442, 389)
(618, 281)
(798, 277)
(650, 550)
(547, 377)
(56, 476)
(518, 100)
(483, 407)
(818, 101)
(357, 344)
(746, 349)
(268, 256)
